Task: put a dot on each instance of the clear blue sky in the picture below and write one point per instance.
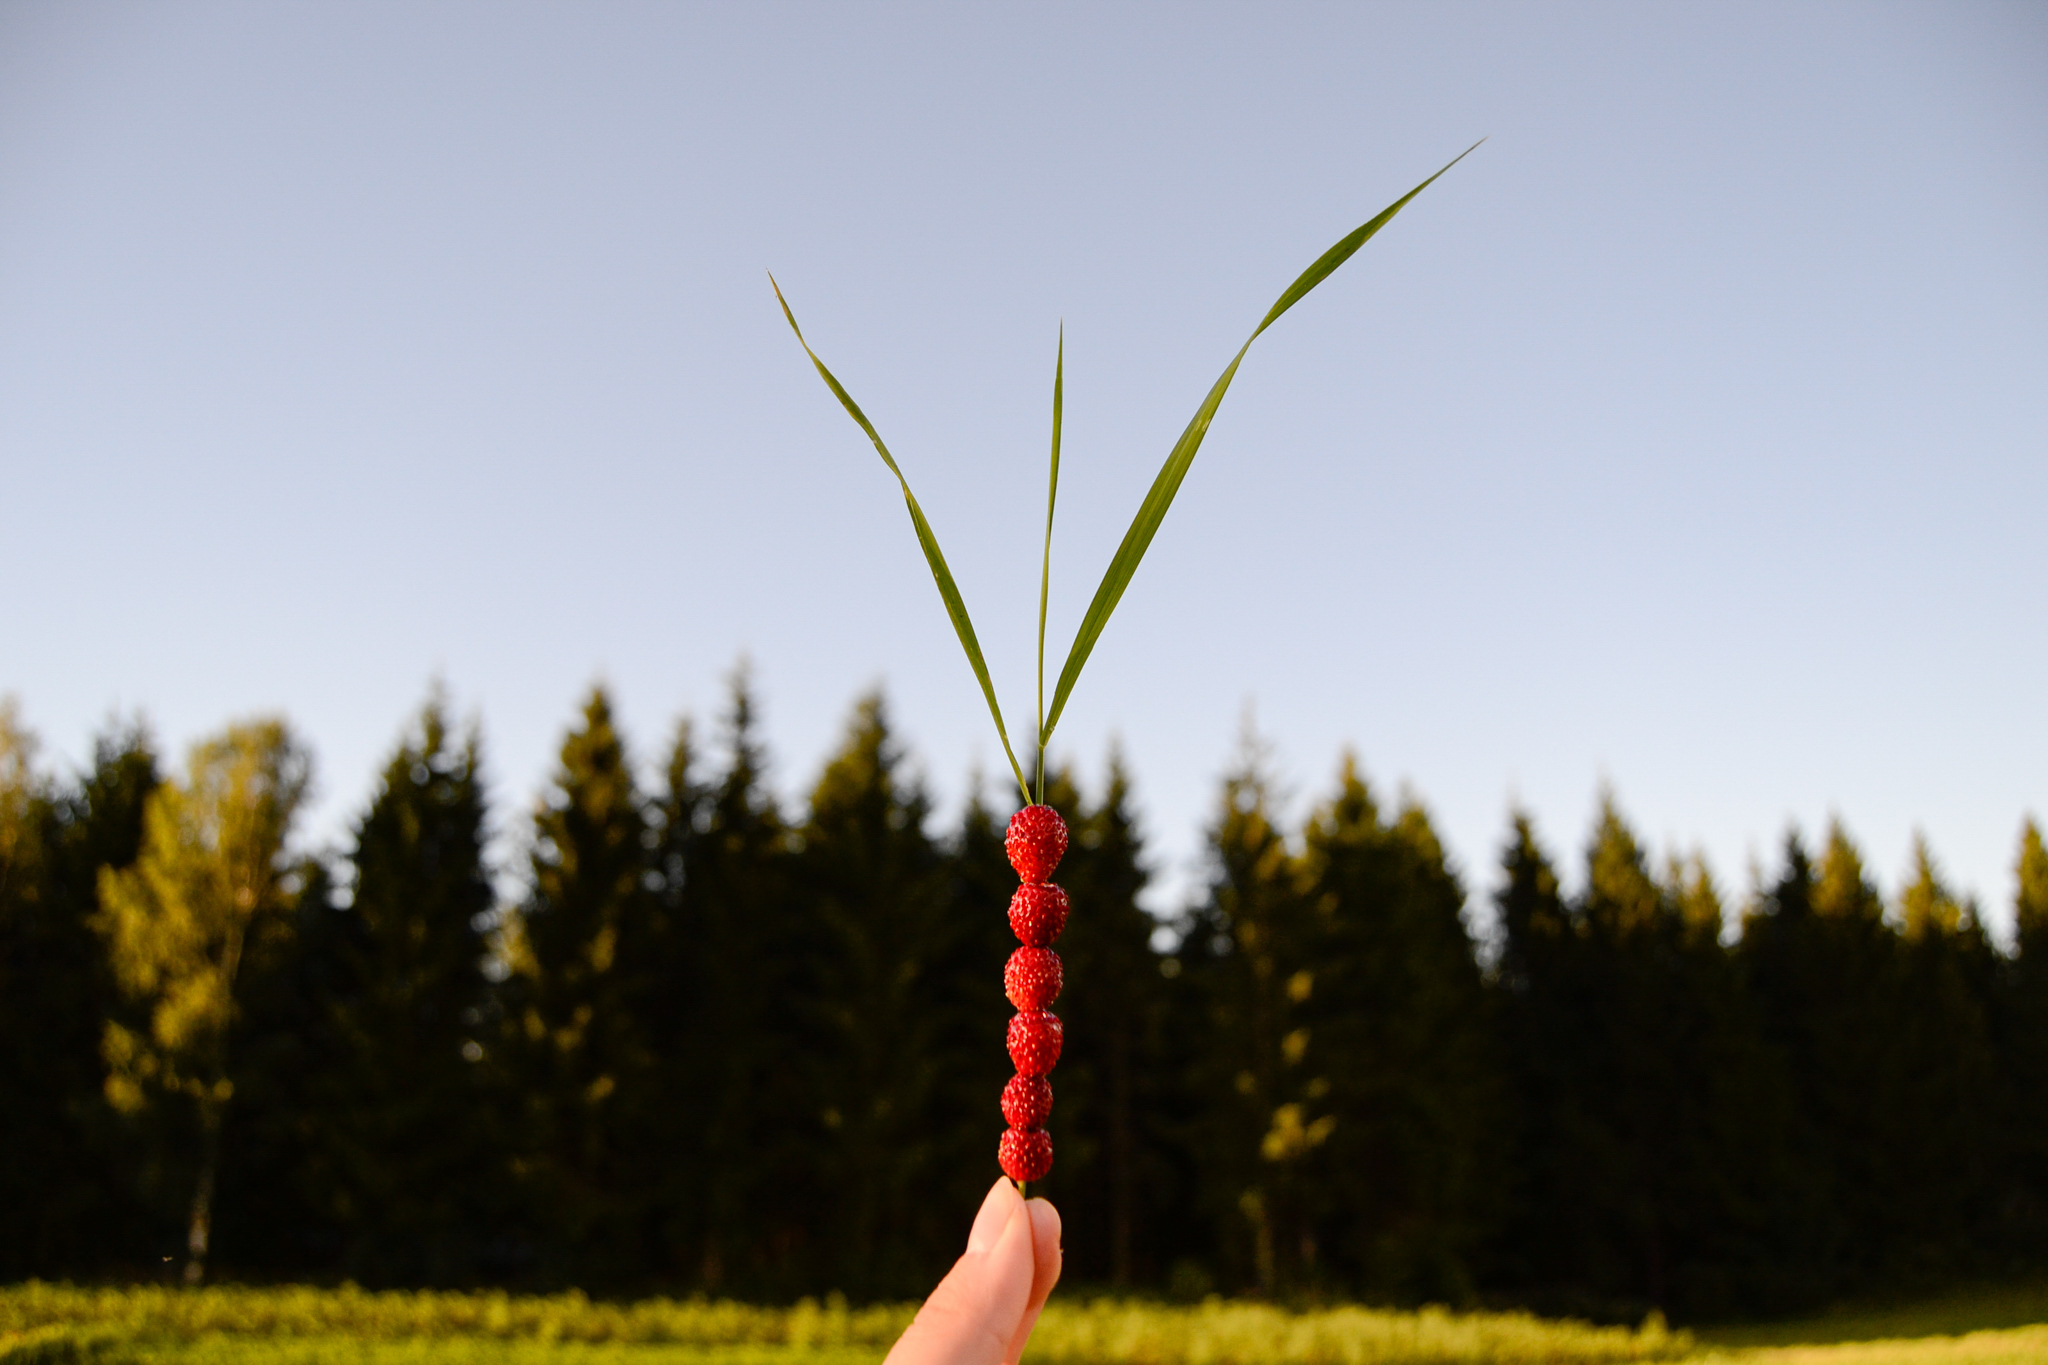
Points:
(1692, 435)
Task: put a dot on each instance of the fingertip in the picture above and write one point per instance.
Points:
(1013, 1262)
(1046, 1260)
(978, 1308)
(993, 1217)
(1048, 1256)
(1045, 1220)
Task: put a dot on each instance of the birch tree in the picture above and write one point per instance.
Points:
(210, 877)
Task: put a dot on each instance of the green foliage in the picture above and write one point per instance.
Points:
(209, 878)
(1052, 495)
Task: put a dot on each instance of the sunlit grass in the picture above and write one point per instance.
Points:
(1949, 1315)
(44, 1324)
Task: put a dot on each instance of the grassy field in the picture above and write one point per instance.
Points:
(61, 1325)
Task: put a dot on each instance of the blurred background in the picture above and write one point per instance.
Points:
(1667, 478)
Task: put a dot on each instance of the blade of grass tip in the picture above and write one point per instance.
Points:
(1052, 493)
(949, 591)
(1160, 497)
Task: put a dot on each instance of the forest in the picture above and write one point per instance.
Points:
(693, 1042)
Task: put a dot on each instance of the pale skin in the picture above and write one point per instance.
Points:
(982, 1313)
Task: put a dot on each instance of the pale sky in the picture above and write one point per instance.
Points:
(1691, 436)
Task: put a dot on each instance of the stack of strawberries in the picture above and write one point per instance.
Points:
(1036, 840)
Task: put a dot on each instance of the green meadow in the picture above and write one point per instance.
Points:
(45, 1324)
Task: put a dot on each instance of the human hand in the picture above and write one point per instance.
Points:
(982, 1313)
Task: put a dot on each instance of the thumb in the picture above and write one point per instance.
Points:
(973, 1315)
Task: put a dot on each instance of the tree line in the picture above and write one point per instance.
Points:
(711, 1045)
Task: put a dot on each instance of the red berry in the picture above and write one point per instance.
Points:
(1027, 1101)
(1025, 1154)
(1038, 912)
(1035, 842)
(1032, 980)
(1034, 1042)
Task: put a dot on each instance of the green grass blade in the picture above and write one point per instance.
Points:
(949, 591)
(1153, 510)
(1052, 493)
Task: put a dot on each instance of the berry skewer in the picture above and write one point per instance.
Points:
(1037, 837)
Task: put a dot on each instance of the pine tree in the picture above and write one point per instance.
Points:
(1396, 1118)
(45, 996)
(1945, 1076)
(415, 1149)
(208, 889)
(1243, 949)
(2030, 901)
(92, 1176)
(577, 994)
(1648, 1100)
(1823, 967)
(878, 928)
(1536, 936)
(669, 1144)
(1728, 1177)
(761, 1128)
(1108, 1078)
(964, 986)
(2026, 1050)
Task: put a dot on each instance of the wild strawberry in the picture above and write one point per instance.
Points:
(1032, 980)
(1037, 913)
(1034, 1042)
(1025, 1154)
(1036, 840)
(1027, 1101)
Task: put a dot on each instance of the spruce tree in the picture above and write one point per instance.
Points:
(965, 986)
(1638, 1105)
(2026, 1050)
(1243, 950)
(880, 936)
(93, 1179)
(760, 1131)
(1649, 1103)
(1943, 1214)
(1396, 1118)
(2030, 899)
(1823, 968)
(415, 1148)
(46, 999)
(578, 990)
(1728, 1173)
(1109, 1075)
(669, 1145)
(1544, 1237)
